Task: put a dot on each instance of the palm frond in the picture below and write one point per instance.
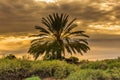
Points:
(70, 23)
(41, 29)
(77, 32)
(47, 22)
(70, 28)
(38, 49)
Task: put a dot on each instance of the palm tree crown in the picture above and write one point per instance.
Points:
(57, 36)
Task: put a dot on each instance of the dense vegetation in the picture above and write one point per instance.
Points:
(21, 69)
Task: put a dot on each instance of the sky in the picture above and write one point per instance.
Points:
(99, 18)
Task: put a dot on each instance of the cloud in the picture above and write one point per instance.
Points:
(22, 15)
(14, 45)
(99, 18)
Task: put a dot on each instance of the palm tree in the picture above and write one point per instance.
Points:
(57, 36)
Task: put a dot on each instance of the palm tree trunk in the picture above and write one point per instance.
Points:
(59, 55)
(59, 52)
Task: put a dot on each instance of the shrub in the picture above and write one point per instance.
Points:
(14, 69)
(18, 69)
(55, 68)
(114, 65)
(33, 78)
(89, 74)
(94, 65)
(10, 56)
(114, 73)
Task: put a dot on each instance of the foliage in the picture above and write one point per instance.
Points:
(14, 69)
(33, 78)
(72, 59)
(50, 57)
(20, 69)
(89, 74)
(57, 36)
(105, 64)
(56, 69)
(114, 73)
(10, 56)
(94, 65)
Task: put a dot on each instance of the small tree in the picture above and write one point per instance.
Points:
(57, 36)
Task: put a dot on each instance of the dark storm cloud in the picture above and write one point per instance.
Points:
(17, 15)
(83, 11)
(116, 12)
(22, 15)
(105, 41)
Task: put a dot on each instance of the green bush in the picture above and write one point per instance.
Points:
(14, 69)
(33, 78)
(89, 74)
(94, 65)
(114, 65)
(18, 69)
(10, 56)
(114, 73)
(55, 68)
